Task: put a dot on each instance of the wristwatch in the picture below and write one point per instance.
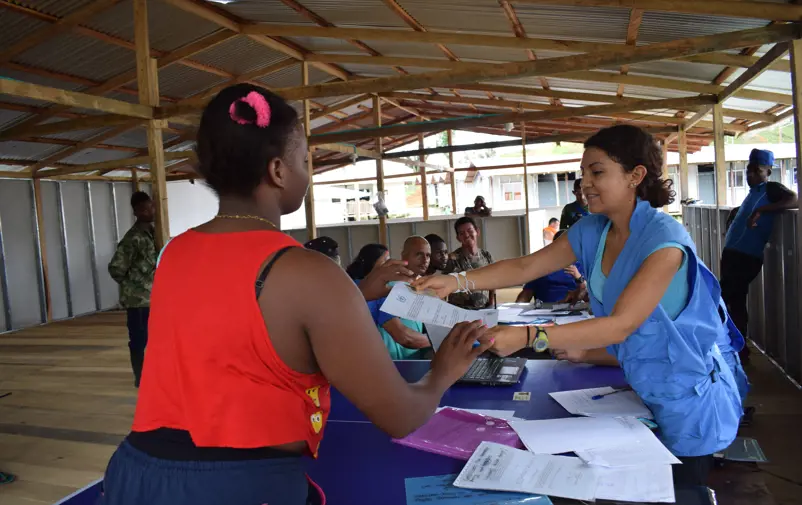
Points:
(579, 280)
(541, 341)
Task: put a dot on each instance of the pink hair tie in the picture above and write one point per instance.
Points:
(258, 103)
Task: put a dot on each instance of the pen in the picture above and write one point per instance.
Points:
(599, 397)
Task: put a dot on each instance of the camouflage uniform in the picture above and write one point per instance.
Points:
(133, 266)
(458, 261)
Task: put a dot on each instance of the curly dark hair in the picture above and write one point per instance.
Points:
(365, 261)
(631, 146)
(233, 157)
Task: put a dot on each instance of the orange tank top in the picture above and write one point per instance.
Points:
(210, 367)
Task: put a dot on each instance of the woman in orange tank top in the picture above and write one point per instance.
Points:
(235, 387)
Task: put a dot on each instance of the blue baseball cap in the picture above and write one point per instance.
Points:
(761, 157)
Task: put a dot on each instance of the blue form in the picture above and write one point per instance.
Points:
(441, 491)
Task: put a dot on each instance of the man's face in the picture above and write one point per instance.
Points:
(467, 234)
(757, 174)
(580, 197)
(439, 255)
(555, 225)
(145, 212)
(418, 255)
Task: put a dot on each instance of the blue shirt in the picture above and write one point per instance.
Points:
(396, 350)
(752, 241)
(552, 287)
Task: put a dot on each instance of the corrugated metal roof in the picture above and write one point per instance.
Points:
(483, 16)
(591, 24)
(58, 8)
(403, 49)
(380, 70)
(265, 11)
(180, 81)
(371, 13)
(136, 137)
(239, 55)
(80, 56)
(19, 150)
(678, 70)
(95, 156)
(35, 79)
(11, 168)
(750, 105)
(665, 26)
(9, 117)
(17, 26)
(769, 80)
(491, 54)
(325, 45)
(169, 27)
(291, 76)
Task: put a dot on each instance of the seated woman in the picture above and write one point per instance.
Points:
(658, 308)
(403, 338)
(553, 287)
(235, 388)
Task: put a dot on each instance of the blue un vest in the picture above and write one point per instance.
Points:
(675, 366)
(741, 237)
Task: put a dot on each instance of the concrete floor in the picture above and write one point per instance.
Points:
(73, 400)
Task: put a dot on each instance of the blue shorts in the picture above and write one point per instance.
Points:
(134, 478)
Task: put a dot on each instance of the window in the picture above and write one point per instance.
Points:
(513, 191)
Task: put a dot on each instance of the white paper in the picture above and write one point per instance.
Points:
(572, 319)
(537, 312)
(581, 403)
(558, 436)
(644, 448)
(501, 468)
(406, 303)
(647, 483)
(506, 415)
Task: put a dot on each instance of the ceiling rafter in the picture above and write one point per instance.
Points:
(633, 27)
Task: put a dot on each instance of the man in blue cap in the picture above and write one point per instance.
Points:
(748, 234)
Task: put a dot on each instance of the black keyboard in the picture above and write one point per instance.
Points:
(484, 369)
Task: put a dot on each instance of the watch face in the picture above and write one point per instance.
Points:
(541, 344)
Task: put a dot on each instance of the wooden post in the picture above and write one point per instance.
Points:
(525, 237)
(796, 86)
(664, 176)
(453, 172)
(309, 202)
(135, 179)
(721, 162)
(148, 84)
(423, 192)
(682, 137)
(377, 121)
(40, 230)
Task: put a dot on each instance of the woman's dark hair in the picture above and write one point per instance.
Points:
(365, 260)
(324, 245)
(464, 220)
(559, 234)
(433, 239)
(631, 146)
(232, 156)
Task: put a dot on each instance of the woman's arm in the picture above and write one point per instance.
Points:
(633, 307)
(339, 333)
(405, 336)
(507, 273)
(593, 356)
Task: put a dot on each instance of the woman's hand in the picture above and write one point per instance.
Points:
(457, 353)
(580, 294)
(507, 339)
(441, 285)
(573, 271)
(573, 355)
(374, 286)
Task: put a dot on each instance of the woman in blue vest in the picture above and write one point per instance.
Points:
(658, 308)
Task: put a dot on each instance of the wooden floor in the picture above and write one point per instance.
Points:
(73, 399)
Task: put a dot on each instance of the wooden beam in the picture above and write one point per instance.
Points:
(526, 238)
(62, 25)
(635, 19)
(684, 190)
(728, 8)
(752, 73)
(449, 138)
(377, 122)
(340, 105)
(671, 103)
(148, 85)
(721, 161)
(84, 123)
(424, 194)
(73, 99)
(551, 66)
(309, 201)
(796, 86)
(115, 164)
(347, 149)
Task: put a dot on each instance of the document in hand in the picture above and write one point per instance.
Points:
(407, 303)
(500, 468)
(580, 402)
(572, 434)
(457, 433)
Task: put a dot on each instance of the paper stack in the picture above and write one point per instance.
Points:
(622, 404)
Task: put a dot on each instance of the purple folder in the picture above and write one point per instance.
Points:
(457, 434)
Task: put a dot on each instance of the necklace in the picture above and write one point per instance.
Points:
(246, 216)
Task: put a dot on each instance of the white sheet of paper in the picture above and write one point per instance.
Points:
(537, 312)
(506, 415)
(645, 449)
(501, 468)
(647, 483)
(558, 436)
(580, 402)
(406, 303)
(572, 319)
